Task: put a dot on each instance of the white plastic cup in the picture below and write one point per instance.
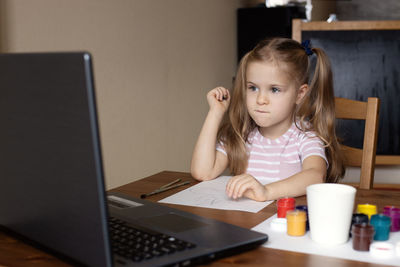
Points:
(330, 209)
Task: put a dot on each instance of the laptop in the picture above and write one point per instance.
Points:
(52, 190)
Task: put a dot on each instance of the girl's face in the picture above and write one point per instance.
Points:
(271, 97)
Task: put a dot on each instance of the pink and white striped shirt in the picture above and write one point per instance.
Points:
(273, 160)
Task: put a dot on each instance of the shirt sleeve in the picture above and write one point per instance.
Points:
(220, 147)
(312, 145)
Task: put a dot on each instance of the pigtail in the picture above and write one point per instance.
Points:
(237, 125)
(321, 106)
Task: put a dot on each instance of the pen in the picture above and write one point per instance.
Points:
(163, 189)
(171, 183)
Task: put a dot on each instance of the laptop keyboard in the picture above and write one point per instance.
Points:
(138, 244)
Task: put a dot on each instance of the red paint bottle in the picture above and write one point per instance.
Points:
(284, 205)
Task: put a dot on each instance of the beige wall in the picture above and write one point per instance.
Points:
(154, 62)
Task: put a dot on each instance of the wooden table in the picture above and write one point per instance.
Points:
(16, 253)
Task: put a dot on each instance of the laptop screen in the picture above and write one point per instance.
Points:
(51, 186)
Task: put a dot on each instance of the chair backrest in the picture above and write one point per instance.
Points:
(365, 157)
(300, 27)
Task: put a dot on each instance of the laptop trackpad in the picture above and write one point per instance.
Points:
(173, 222)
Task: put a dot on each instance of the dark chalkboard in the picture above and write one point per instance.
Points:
(366, 64)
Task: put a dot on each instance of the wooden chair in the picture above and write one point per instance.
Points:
(365, 157)
(301, 27)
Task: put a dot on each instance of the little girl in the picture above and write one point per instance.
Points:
(278, 134)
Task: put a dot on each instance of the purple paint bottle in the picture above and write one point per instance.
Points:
(394, 213)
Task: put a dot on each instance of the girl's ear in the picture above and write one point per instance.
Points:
(301, 93)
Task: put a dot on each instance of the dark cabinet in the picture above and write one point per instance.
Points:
(255, 24)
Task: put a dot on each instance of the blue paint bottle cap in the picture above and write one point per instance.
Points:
(302, 207)
(380, 220)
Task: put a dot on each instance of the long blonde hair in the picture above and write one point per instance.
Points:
(315, 113)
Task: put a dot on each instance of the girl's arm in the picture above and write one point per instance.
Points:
(314, 171)
(207, 162)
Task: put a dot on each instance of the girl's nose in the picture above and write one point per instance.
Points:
(262, 98)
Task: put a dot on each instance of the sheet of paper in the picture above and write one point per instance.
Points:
(304, 244)
(211, 194)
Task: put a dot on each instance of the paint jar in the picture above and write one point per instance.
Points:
(305, 209)
(363, 234)
(296, 222)
(358, 218)
(367, 209)
(381, 224)
(284, 205)
(394, 213)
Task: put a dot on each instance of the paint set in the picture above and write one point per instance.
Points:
(369, 226)
(368, 230)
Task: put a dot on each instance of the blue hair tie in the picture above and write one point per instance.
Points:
(307, 47)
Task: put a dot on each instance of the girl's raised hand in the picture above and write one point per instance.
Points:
(245, 185)
(218, 99)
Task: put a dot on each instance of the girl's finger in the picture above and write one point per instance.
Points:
(221, 94)
(230, 187)
(224, 91)
(239, 185)
(243, 188)
(235, 189)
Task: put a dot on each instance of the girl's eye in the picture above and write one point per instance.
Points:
(252, 88)
(275, 90)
